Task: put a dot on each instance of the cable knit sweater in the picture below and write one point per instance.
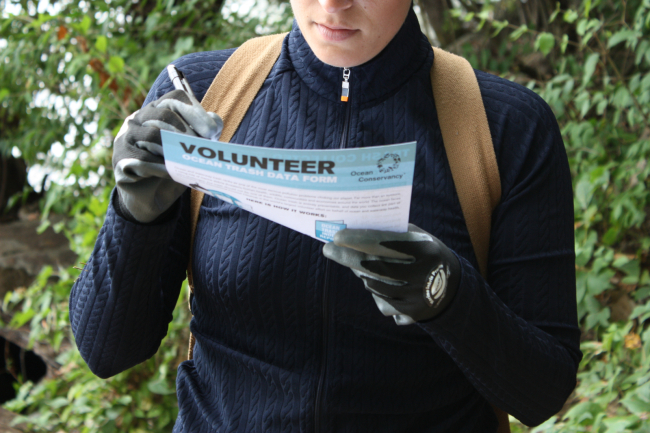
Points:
(288, 341)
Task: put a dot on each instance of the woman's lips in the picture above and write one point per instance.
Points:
(335, 35)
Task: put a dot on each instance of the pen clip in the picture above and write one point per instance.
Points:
(178, 80)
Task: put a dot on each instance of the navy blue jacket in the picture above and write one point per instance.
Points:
(288, 341)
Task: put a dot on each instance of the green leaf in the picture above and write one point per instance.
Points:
(115, 64)
(127, 418)
(584, 250)
(85, 24)
(498, 26)
(101, 43)
(58, 402)
(519, 32)
(124, 400)
(570, 16)
(160, 387)
(622, 98)
(114, 413)
(643, 392)
(581, 28)
(643, 47)
(641, 311)
(109, 427)
(645, 276)
(583, 193)
(184, 45)
(598, 318)
(635, 404)
(585, 105)
(582, 411)
(564, 43)
(545, 42)
(618, 424)
(555, 12)
(42, 19)
(97, 207)
(598, 283)
(610, 237)
(589, 68)
(484, 15)
(631, 267)
(57, 340)
(44, 225)
(164, 419)
(581, 285)
(21, 318)
(625, 35)
(155, 412)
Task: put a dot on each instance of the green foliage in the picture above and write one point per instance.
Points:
(85, 66)
(613, 393)
(141, 399)
(70, 72)
(599, 88)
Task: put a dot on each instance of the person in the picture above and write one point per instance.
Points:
(289, 340)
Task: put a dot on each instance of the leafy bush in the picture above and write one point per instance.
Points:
(142, 399)
(598, 54)
(84, 66)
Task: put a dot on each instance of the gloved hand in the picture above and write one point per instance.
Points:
(145, 188)
(412, 276)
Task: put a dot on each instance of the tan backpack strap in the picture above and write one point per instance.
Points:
(468, 144)
(239, 80)
(230, 95)
(469, 148)
(195, 204)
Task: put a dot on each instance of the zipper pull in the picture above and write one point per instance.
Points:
(345, 91)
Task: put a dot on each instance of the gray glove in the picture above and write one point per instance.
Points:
(145, 188)
(412, 276)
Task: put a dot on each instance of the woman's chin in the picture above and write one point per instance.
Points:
(339, 56)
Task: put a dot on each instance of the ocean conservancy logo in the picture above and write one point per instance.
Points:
(388, 162)
(436, 286)
(386, 165)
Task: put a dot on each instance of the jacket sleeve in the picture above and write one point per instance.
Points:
(123, 301)
(516, 336)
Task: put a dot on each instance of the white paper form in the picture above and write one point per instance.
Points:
(316, 192)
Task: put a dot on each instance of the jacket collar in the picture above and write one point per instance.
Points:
(373, 81)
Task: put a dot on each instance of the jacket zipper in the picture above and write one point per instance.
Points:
(345, 96)
(345, 93)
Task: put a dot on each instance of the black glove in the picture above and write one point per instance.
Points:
(145, 188)
(413, 276)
